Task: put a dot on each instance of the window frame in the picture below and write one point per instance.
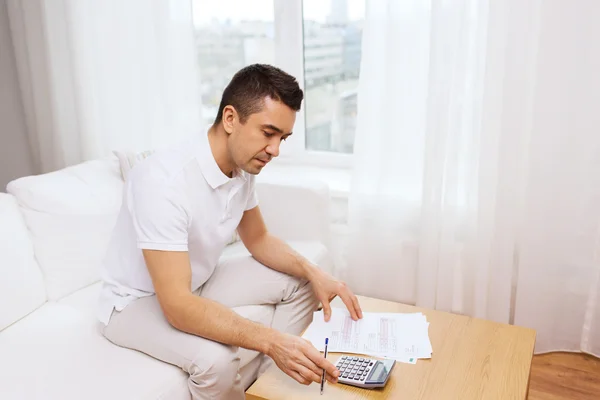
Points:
(289, 56)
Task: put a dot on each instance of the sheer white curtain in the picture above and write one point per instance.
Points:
(477, 177)
(104, 75)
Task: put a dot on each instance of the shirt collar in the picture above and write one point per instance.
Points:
(209, 167)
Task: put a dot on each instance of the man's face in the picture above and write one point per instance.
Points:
(256, 142)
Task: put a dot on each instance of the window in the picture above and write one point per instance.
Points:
(229, 35)
(332, 50)
(318, 41)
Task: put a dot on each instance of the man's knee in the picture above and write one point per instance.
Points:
(215, 372)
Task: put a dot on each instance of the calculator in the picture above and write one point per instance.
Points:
(364, 372)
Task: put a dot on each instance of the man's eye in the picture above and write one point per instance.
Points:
(267, 134)
(283, 138)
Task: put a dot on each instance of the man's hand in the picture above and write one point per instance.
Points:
(299, 359)
(326, 288)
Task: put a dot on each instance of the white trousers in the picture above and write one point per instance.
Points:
(213, 367)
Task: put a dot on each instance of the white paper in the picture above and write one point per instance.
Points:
(403, 337)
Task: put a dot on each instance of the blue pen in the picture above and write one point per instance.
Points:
(323, 377)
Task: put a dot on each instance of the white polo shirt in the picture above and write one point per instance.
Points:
(176, 200)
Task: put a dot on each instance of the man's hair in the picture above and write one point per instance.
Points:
(250, 85)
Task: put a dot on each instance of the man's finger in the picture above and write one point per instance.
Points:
(357, 306)
(327, 310)
(321, 362)
(305, 361)
(349, 305)
(331, 378)
(299, 378)
(308, 374)
(317, 360)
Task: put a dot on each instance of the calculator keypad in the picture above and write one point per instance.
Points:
(354, 369)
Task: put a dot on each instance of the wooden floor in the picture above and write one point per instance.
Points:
(564, 376)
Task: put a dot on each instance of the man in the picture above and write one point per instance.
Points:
(164, 294)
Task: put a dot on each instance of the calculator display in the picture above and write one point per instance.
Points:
(379, 372)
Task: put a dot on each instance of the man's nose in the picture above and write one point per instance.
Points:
(273, 148)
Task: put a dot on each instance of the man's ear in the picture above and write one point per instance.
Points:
(229, 118)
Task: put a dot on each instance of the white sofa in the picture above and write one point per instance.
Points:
(54, 229)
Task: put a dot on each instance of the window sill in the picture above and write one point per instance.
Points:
(338, 179)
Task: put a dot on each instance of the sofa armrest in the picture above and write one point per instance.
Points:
(296, 211)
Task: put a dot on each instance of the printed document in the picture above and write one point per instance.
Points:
(403, 337)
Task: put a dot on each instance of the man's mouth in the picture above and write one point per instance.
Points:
(264, 162)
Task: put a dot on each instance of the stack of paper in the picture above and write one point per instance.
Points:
(403, 337)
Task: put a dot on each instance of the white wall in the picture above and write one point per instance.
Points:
(15, 156)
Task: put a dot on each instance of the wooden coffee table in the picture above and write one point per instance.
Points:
(472, 359)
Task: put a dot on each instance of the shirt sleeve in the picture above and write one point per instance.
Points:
(252, 197)
(160, 216)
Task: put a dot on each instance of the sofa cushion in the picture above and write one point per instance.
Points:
(56, 353)
(129, 159)
(70, 215)
(84, 300)
(21, 283)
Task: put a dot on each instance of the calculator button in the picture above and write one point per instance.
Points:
(361, 359)
(370, 364)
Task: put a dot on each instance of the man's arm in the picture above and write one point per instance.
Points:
(270, 250)
(278, 255)
(171, 277)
